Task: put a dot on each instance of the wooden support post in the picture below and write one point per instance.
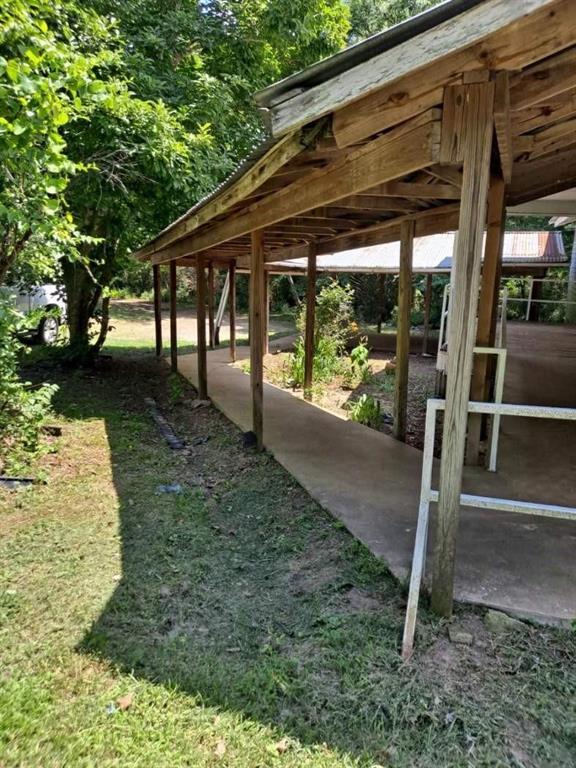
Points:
(427, 305)
(266, 316)
(211, 336)
(534, 313)
(201, 328)
(310, 323)
(157, 308)
(173, 320)
(257, 310)
(467, 138)
(232, 308)
(381, 287)
(487, 310)
(403, 329)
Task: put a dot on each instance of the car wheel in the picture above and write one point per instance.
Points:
(48, 330)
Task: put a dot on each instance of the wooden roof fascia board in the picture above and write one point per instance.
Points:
(404, 150)
(449, 37)
(280, 154)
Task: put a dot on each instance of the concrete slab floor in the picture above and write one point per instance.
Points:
(517, 563)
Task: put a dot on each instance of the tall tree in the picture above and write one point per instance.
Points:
(371, 16)
(48, 80)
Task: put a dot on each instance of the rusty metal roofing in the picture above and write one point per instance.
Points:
(434, 254)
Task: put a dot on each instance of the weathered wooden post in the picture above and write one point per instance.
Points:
(157, 308)
(403, 329)
(427, 305)
(201, 328)
(310, 323)
(257, 310)
(487, 310)
(232, 308)
(211, 336)
(266, 315)
(467, 127)
(381, 289)
(173, 319)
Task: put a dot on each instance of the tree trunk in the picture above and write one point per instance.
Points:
(82, 296)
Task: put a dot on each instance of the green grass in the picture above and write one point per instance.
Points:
(247, 626)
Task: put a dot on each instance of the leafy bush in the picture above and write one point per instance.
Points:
(23, 407)
(358, 370)
(366, 410)
(327, 362)
(332, 329)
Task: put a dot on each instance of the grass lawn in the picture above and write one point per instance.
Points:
(235, 624)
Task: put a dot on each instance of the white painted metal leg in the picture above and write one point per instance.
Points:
(419, 559)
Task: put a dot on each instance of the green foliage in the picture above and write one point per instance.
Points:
(366, 410)
(23, 407)
(369, 17)
(175, 388)
(49, 79)
(327, 362)
(358, 370)
(333, 327)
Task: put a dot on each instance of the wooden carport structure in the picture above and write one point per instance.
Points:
(434, 125)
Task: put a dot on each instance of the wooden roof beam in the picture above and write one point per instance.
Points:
(280, 154)
(417, 191)
(502, 124)
(396, 154)
(369, 202)
(435, 220)
(446, 173)
(496, 34)
(544, 80)
(554, 139)
(544, 113)
(541, 177)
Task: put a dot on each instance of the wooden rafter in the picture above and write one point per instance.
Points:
(502, 123)
(544, 80)
(263, 169)
(393, 155)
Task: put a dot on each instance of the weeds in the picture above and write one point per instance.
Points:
(366, 410)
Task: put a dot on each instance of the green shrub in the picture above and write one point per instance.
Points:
(327, 362)
(332, 329)
(358, 370)
(23, 406)
(366, 410)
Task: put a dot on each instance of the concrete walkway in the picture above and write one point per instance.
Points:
(371, 482)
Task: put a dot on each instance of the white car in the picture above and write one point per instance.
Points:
(45, 305)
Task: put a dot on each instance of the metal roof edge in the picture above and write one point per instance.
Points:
(358, 53)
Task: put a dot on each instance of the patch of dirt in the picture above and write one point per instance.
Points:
(314, 569)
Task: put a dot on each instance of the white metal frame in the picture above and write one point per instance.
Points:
(530, 300)
(222, 304)
(445, 319)
(428, 495)
(501, 354)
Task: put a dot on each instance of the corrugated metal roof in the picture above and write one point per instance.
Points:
(434, 254)
(363, 51)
